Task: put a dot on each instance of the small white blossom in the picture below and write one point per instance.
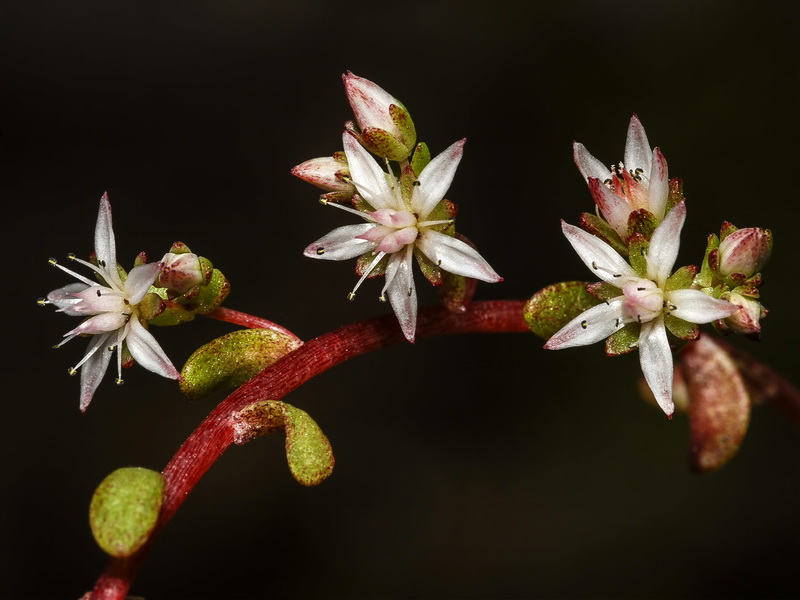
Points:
(111, 310)
(644, 300)
(641, 181)
(398, 229)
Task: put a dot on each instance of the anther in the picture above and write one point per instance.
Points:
(410, 292)
(584, 324)
(608, 182)
(320, 251)
(351, 296)
(382, 298)
(71, 256)
(72, 371)
(99, 293)
(416, 182)
(52, 262)
(42, 301)
(118, 381)
(323, 200)
(616, 323)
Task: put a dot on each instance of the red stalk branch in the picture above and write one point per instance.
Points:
(213, 436)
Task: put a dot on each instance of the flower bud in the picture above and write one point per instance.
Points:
(181, 272)
(745, 251)
(746, 320)
(385, 124)
(329, 173)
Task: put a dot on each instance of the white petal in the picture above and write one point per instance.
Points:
(401, 292)
(696, 307)
(140, 279)
(342, 243)
(590, 326)
(104, 244)
(94, 368)
(101, 323)
(64, 298)
(588, 165)
(658, 187)
(655, 358)
(664, 245)
(601, 258)
(145, 350)
(367, 175)
(615, 209)
(435, 179)
(638, 153)
(455, 256)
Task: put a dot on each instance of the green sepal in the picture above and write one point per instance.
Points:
(707, 273)
(308, 450)
(643, 222)
(360, 204)
(124, 510)
(675, 195)
(384, 144)
(229, 361)
(681, 279)
(402, 118)
(429, 269)
(599, 227)
(552, 307)
(151, 306)
(681, 329)
(421, 158)
(603, 291)
(408, 179)
(457, 291)
(624, 340)
(213, 294)
(199, 300)
(726, 229)
(637, 253)
(749, 290)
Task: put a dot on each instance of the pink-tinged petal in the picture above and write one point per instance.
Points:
(102, 323)
(638, 154)
(324, 172)
(104, 244)
(342, 243)
(140, 279)
(393, 218)
(369, 101)
(145, 350)
(590, 326)
(397, 240)
(658, 187)
(664, 245)
(97, 359)
(66, 298)
(655, 358)
(601, 258)
(696, 307)
(588, 165)
(367, 175)
(615, 209)
(376, 233)
(455, 256)
(435, 179)
(401, 292)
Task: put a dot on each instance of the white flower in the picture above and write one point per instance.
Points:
(111, 308)
(398, 228)
(641, 181)
(646, 300)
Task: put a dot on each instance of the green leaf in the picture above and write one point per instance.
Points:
(230, 360)
(124, 509)
(549, 309)
(308, 450)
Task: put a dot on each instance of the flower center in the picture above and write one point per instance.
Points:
(644, 301)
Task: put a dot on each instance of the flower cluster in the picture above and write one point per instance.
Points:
(405, 216)
(632, 247)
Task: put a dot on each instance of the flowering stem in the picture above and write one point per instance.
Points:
(213, 436)
(250, 321)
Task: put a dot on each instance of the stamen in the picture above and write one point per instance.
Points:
(42, 301)
(584, 324)
(320, 251)
(432, 223)
(71, 256)
(52, 262)
(364, 216)
(118, 381)
(72, 371)
(597, 267)
(368, 270)
(416, 182)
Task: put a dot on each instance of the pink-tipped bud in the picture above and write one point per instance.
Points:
(180, 272)
(745, 251)
(746, 320)
(328, 173)
(386, 128)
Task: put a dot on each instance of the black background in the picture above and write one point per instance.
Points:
(473, 467)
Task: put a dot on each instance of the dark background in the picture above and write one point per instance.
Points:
(473, 467)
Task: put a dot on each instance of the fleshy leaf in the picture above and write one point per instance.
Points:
(719, 405)
(230, 360)
(124, 509)
(308, 450)
(549, 309)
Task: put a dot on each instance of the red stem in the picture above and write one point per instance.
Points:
(246, 320)
(213, 436)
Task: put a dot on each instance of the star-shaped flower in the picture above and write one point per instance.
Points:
(399, 228)
(111, 308)
(645, 298)
(641, 181)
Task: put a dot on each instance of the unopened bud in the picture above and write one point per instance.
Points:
(181, 272)
(745, 251)
(746, 320)
(386, 128)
